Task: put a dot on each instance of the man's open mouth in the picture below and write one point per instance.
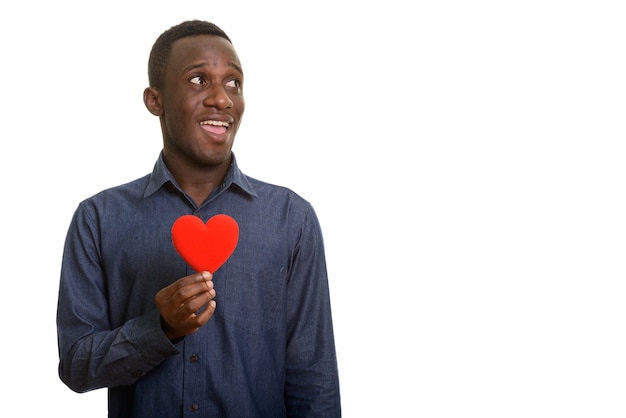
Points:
(215, 126)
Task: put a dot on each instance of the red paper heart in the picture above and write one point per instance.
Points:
(205, 247)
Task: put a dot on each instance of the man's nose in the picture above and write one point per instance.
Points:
(217, 97)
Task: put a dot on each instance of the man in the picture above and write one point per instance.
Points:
(253, 338)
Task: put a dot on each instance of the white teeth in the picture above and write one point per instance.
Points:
(214, 123)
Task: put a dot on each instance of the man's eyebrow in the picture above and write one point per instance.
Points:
(204, 64)
(235, 66)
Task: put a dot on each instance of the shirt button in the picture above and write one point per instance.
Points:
(193, 358)
(138, 373)
(194, 407)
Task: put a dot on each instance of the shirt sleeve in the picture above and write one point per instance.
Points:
(312, 384)
(92, 354)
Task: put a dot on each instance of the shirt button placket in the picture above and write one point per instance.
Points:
(194, 407)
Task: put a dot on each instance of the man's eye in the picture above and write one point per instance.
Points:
(234, 84)
(197, 80)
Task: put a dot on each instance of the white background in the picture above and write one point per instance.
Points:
(466, 160)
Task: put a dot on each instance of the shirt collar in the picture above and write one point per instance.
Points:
(161, 175)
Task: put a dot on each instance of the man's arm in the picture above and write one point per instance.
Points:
(312, 383)
(93, 354)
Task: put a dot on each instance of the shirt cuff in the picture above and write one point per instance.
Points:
(149, 338)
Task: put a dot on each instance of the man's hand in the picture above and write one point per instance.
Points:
(181, 304)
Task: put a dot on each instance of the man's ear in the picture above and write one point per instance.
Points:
(152, 100)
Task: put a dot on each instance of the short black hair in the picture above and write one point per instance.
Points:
(162, 48)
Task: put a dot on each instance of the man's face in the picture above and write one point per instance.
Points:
(202, 100)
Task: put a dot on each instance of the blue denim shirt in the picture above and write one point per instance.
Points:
(268, 351)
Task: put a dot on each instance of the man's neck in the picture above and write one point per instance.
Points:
(197, 182)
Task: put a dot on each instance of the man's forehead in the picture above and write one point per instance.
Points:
(197, 46)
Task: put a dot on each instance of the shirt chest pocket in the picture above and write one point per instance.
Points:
(252, 300)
